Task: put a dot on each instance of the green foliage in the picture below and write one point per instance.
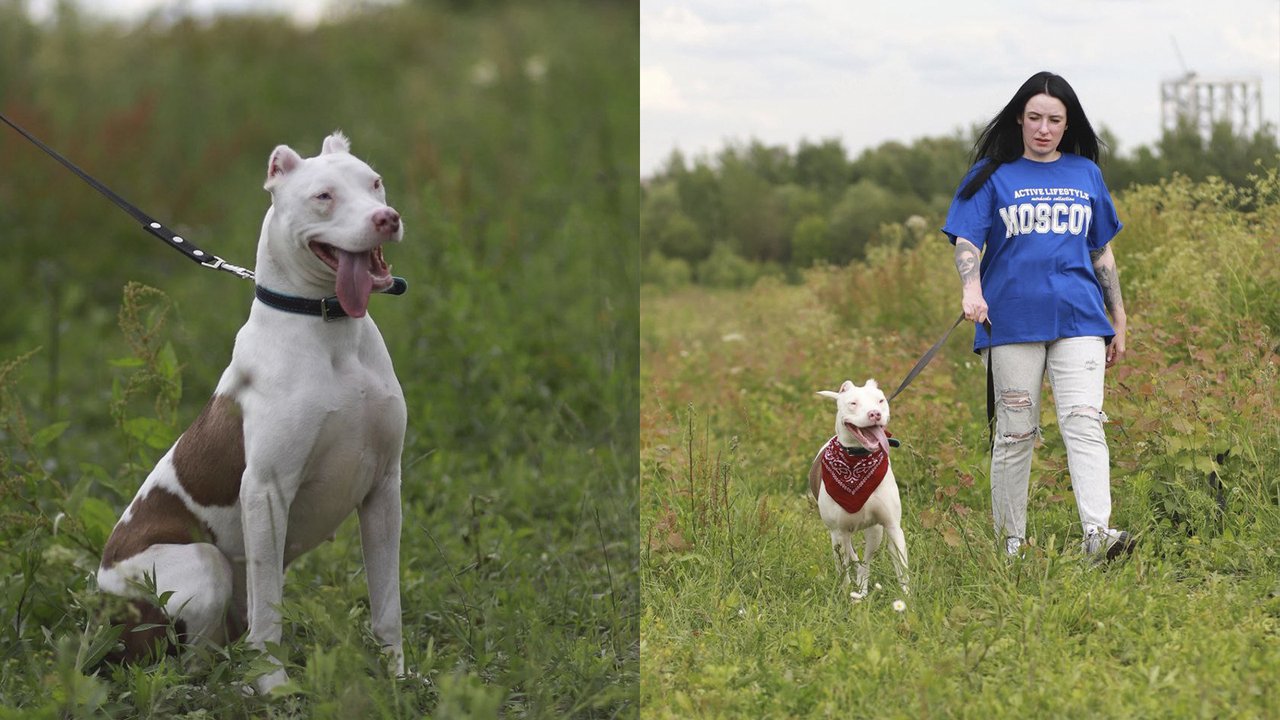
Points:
(762, 199)
(666, 272)
(1184, 150)
(665, 229)
(811, 242)
(505, 133)
(743, 612)
(726, 269)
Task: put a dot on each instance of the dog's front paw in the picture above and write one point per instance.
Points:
(272, 680)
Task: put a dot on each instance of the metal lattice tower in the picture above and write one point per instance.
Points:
(1203, 102)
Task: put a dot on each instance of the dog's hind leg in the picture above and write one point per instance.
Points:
(898, 551)
(197, 576)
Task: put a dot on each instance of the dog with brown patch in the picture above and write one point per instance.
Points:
(305, 426)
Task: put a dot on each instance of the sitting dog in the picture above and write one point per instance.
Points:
(305, 426)
(852, 480)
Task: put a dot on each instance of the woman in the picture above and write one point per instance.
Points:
(1035, 209)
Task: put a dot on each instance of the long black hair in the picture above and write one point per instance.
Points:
(1001, 141)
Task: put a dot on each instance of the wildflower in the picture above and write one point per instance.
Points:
(535, 68)
(484, 73)
(899, 606)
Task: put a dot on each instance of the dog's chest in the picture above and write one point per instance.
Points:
(324, 421)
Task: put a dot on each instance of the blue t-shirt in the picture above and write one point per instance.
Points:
(1038, 222)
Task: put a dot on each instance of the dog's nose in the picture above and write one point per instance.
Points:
(874, 416)
(386, 221)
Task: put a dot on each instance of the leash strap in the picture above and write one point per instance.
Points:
(327, 308)
(150, 224)
(991, 403)
(927, 357)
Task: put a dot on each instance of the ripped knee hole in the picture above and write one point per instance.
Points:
(1015, 399)
(1087, 411)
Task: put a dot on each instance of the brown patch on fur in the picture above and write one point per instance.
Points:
(159, 518)
(815, 476)
(144, 645)
(209, 458)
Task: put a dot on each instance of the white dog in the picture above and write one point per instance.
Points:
(852, 480)
(306, 425)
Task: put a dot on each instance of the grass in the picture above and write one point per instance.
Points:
(743, 613)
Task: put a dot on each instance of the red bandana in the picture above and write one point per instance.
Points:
(851, 478)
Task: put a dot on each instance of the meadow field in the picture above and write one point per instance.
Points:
(743, 614)
(506, 134)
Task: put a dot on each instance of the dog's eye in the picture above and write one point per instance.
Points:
(377, 183)
(324, 196)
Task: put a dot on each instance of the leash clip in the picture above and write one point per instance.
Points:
(218, 263)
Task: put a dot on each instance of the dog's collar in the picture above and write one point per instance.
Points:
(327, 308)
(893, 443)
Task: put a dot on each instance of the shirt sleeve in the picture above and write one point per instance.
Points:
(971, 219)
(1106, 223)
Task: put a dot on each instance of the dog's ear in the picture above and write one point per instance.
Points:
(829, 394)
(283, 161)
(872, 384)
(847, 386)
(336, 143)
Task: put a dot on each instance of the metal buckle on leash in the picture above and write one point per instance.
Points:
(218, 263)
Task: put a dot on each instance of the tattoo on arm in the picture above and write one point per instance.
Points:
(966, 261)
(1104, 265)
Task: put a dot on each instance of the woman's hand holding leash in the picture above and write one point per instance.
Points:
(973, 304)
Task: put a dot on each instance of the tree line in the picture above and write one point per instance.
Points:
(753, 208)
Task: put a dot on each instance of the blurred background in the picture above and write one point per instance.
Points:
(507, 136)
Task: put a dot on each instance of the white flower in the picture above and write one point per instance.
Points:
(899, 606)
(877, 586)
(484, 73)
(535, 68)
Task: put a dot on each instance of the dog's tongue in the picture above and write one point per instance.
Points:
(354, 281)
(877, 431)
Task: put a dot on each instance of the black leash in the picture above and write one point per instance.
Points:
(150, 224)
(327, 308)
(928, 356)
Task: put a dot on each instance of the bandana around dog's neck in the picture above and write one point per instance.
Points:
(851, 477)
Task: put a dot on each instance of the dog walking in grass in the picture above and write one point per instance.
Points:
(852, 480)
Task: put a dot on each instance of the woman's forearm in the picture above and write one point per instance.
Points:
(1104, 266)
(967, 257)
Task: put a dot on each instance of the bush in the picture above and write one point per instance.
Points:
(726, 269)
(664, 272)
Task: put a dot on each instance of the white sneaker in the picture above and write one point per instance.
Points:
(1013, 546)
(1106, 543)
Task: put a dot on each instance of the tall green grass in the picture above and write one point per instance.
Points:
(743, 613)
(506, 135)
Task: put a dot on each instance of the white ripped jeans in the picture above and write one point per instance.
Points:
(1075, 368)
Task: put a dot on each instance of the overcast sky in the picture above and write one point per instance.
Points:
(713, 71)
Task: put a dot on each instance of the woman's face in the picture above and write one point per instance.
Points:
(1043, 121)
